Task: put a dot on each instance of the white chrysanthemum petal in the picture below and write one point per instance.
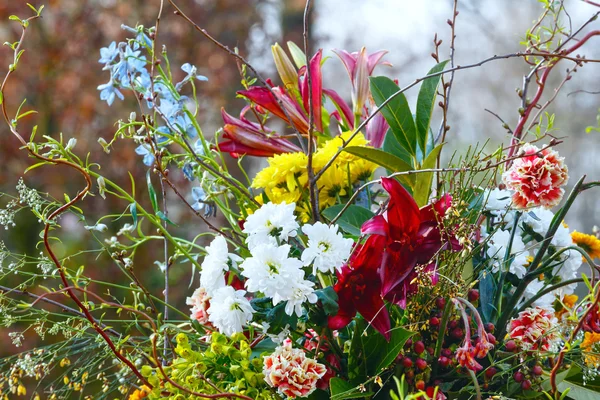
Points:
(212, 276)
(271, 223)
(327, 249)
(229, 310)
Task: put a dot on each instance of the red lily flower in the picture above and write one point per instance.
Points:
(359, 289)
(246, 137)
(411, 236)
(277, 99)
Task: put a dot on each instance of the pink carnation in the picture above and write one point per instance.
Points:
(536, 178)
(533, 329)
(291, 372)
(200, 304)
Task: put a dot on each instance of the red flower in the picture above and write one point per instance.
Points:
(384, 266)
(410, 235)
(592, 320)
(537, 178)
(246, 137)
(359, 290)
(312, 344)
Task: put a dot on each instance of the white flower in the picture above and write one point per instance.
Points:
(270, 223)
(229, 310)
(538, 219)
(497, 245)
(97, 227)
(271, 272)
(212, 276)
(302, 292)
(327, 248)
(536, 287)
(498, 203)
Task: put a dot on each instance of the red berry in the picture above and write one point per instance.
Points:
(430, 350)
(453, 324)
(537, 370)
(510, 345)
(518, 376)
(526, 384)
(421, 364)
(440, 303)
(490, 372)
(408, 344)
(492, 339)
(420, 385)
(419, 347)
(430, 391)
(489, 327)
(444, 361)
(457, 333)
(447, 353)
(434, 321)
(410, 374)
(473, 295)
(407, 362)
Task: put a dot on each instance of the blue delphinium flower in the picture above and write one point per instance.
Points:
(108, 54)
(108, 91)
(191, 74)
(188, 171)
(199, 148)
(140, 37)
(146, 151)
(199, 196)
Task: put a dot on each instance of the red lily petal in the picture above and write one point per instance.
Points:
(264, 98)
(396, 267)
(375, 58)
(316, 89)
(370, 254)
(403, 214)
(341, 105)
(238, 149)
(372, 308)
(375, 226)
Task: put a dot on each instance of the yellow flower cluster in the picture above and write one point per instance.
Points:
(285, 179)
(590, 349)
(140, 393)
(589, 243)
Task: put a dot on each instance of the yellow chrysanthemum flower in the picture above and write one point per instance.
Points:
(361, 170)
(589, 243)
(284, 170)
(590, 349)
(140, 393)
(332, 185)
(329, 148)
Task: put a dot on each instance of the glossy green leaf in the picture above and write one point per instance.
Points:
(426, 103)
(162, 216)
(424, 179)
(397, 112)
(351, 220)
(152, 192)
(386, 160)
(329, 299)
(391, 145)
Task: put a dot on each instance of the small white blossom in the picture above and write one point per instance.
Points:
(497, 245)
(229, 310)
(127, 228)
(302, 292)
(327, 248)
(97, 228)
(272, 223)
(214, 266)
(270, 271)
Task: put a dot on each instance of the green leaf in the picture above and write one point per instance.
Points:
(152, 192)
(386, 160)
(426, 103)
(391, 145)
(397, 112)
(341, 389)
(329, 299)
(424, 179)
(351, 220)
(370, 353)
(162, 216)
(134, 216)
(297, 54)
(1, 97)
(14, 18)
(578, 391)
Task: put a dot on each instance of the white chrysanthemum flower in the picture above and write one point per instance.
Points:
(498, 243)
(302, 292)
(271, 272)
(538, 219)
(327, 249)
(535, 287)
(212, 276)
(271, 223)
(229, 310)
(498, 203)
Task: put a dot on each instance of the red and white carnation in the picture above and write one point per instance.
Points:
(200, 302)
(536, 178)
(534, 329)
(291, 372)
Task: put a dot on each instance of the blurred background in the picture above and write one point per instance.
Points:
(59, 74)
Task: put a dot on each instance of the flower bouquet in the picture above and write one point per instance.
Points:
(358, 262)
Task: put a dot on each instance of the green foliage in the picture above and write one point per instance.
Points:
(352, 218)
